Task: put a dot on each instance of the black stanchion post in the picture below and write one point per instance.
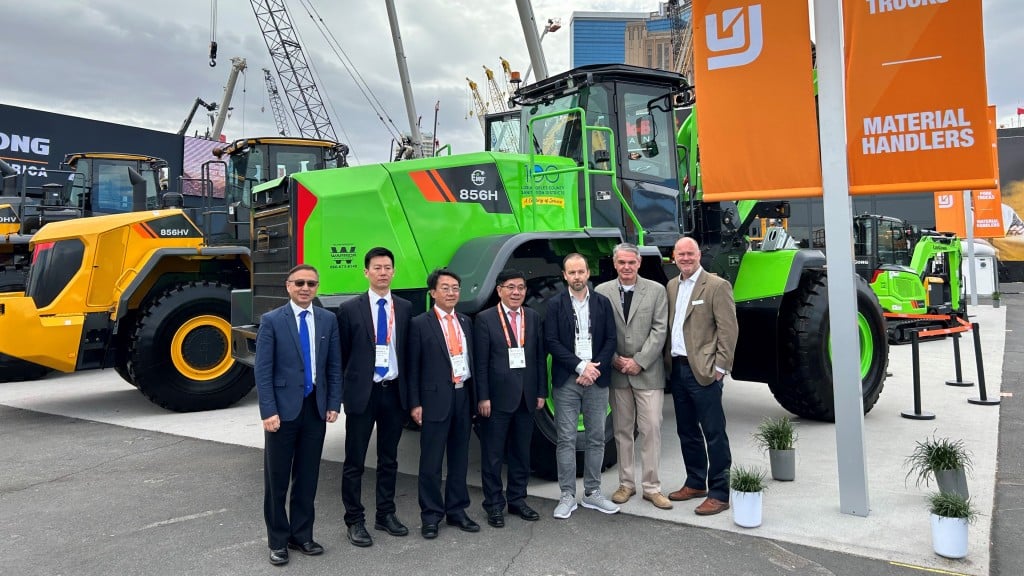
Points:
(982, 400)
(959, 370)
(917, 414)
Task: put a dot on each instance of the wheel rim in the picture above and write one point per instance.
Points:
(200, 348)
(867, 345)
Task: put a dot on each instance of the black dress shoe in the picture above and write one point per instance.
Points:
(279, 556)
(358, 535)
(496, 518)
(310, 548)
(429, 531)
(524, 511)
(391, 525)
(465, 524)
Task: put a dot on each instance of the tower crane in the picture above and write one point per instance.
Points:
(681, 37)
(506, 68)
(497, 96)
(479, 104)
(297, 82)
(280, 118)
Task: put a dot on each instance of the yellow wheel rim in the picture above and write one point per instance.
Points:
(201, 348)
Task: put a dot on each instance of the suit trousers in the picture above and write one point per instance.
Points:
(293, 453)
(570, 400)
(700, 421)
(436, 438)
(384, 409)
(505, 433)
(638, 410)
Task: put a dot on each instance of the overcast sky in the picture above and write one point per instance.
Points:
(129, 62)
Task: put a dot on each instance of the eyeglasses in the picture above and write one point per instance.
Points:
(304, 283)
(514, 287)
(449, 289)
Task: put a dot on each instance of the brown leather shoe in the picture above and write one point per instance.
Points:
(687, 493)
(623, 494)
(658, 499)
(711, 506)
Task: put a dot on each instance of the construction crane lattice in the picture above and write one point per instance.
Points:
(280, 117)
(297, 83)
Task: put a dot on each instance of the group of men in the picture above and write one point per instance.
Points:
(443, 371)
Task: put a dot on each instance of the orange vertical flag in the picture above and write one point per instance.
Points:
(916, 96)
(757, 128)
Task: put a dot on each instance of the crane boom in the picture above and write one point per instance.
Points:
(237, 65)
(297, 83)
(481, 106)
(280, 118)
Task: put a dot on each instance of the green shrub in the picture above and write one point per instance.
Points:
(743, 479)
(952, 505)
(775, 434)
(935, 454)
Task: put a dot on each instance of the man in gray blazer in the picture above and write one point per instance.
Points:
(701, 344)
(638, 375)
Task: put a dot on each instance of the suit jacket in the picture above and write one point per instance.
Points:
(641, 337)
(359, 340)
(560, 337)
(492, 378)
(279, 372)
(709, 325)
(429, 375)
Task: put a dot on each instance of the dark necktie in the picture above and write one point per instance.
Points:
(627, 299)
(382, 332)
(515, 327)
(307, 354)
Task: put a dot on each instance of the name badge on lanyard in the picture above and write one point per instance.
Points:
(516, 358)
(584, 347)
(459, 368)
(382, 355)
(514, 340)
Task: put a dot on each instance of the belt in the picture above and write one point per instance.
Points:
(680, 359)
(386, 383)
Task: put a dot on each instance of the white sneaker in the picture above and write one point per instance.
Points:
(565, 507)
(597, 501)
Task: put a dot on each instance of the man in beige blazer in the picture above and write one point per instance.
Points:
(701, 344)
(638, 373)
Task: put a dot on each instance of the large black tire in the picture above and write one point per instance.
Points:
(12, 278)
(542, 445)
(181, 350)
(15, 370)
(804, 386)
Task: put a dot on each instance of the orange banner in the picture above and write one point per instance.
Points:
(988, 204)
(757, 128)
(916, 96)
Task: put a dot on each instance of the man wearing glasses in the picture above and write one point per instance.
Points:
(298, 380)
(441, 395)
(510, 385)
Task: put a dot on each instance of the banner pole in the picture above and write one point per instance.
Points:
(842, 296)
(969, 226)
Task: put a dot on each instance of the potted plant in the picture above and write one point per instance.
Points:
(950, 515)
(946, 460)
(777, 436)
(746, 489)
(996, 296)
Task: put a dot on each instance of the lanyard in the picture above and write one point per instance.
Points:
(391, 323)
(576, 318)
(444, 328)
(520, 327)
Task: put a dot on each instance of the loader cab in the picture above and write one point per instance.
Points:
(880, 241)
(253, 161)
(614, 119)
(112, 183)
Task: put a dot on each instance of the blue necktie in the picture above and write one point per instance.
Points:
(382, 332)
(307, 354)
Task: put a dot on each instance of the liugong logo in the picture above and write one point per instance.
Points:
(738, 37)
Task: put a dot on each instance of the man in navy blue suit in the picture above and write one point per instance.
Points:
(511, 383)
(441, 396)
(374, 328)
(298, 379)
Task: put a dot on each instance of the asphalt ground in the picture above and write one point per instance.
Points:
(111, 492)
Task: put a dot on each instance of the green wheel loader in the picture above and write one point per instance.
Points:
(605, 156)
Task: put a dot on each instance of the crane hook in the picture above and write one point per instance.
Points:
(213, 54)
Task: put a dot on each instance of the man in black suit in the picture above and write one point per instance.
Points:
(579, 332)
(510, 384)
(374, 327)
(298, 380)
(441, 396)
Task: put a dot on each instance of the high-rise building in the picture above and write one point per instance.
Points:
(638, 38)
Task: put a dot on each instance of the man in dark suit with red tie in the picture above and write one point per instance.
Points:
(374, 327)
(298, 379)
(509, 375)
(441, 396)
